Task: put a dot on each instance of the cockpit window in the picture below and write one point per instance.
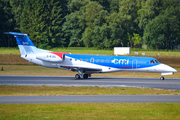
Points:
(157, 61)
(154, 61)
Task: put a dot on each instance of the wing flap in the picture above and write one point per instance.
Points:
(74, 68)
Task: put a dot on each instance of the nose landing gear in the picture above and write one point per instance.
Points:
(162, 78)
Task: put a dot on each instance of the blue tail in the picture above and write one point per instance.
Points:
(25, 44)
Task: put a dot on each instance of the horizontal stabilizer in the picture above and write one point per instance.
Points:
(16, 34)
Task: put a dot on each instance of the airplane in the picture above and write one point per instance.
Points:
(86, 65)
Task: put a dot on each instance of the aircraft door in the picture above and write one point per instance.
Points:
(134, 64)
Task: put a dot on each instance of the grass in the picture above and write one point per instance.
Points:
(4, 50)
(16, 59)
(61, 90)
(36, 70)
(94, 51)
(11, 62)
(83, 110)
(13, 59)
(43, 71)
(88, 111)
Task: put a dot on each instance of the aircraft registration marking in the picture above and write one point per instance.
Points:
(51, 56)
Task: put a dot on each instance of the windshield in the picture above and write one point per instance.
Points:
(154, 61)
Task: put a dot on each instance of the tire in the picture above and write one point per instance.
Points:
(77, 76)
(162, 78)
(85, 76)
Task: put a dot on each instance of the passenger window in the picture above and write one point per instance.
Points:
(92, 60)
(97, 60)
(102, 60)
(86, 59)
(75, 59)
(81, 59)
(107, 61)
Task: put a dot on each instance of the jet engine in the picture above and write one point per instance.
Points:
(51, 57)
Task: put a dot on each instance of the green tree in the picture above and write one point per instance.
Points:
(137, 40)
(149, 11)
(161, 30)
(115, 31)
(128, 12)
(75, 24)
(104, 3)
(43, 18)
(75, 5)
(73, 31)
(114, 6)
(7, 23)
(95, 17)
(17, 8)
(129, 38)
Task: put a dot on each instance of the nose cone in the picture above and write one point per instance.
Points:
(170, 69)
(166, 68)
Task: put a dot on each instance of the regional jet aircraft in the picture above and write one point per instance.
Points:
(85, 65)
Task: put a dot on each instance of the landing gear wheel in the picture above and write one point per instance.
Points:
(162, 78)
(85, 76)
(77, 76)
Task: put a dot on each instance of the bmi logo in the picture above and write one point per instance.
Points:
(25, 43)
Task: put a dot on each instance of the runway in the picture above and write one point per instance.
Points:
(172, 84)
(168, 83)
(91, 99)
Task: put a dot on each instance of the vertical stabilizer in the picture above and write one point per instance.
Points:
(25, 44)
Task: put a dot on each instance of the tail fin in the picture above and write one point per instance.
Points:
(25, 44)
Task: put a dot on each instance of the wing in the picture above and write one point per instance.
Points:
(84, 69)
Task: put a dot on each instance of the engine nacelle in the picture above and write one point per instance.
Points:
(51, 57)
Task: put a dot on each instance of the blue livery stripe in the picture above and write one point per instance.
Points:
(123, 62)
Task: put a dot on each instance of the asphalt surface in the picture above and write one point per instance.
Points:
(168, 83)
(172, 84)
(91, 99)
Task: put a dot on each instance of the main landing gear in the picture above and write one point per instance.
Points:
(85, 76)
(77, 76)
(81, 75)
(162, 78)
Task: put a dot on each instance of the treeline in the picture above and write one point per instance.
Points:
(92, 23)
